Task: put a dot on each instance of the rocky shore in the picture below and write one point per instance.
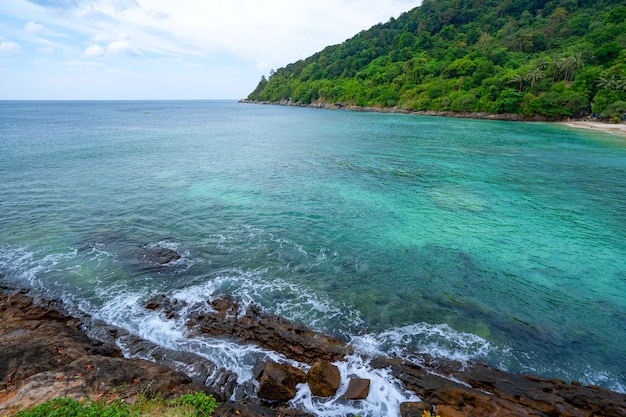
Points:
(616, 128)
(46, 352)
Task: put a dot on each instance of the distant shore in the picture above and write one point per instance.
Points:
(615, 128)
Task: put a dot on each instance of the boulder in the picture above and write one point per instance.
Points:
(358, 389)
(324, 379)
(278, 382)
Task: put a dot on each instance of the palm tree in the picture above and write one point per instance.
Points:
(607, 82)
(621, 84)
(533, 76)
(519, 80)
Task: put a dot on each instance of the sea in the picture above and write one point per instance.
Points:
(496, 242)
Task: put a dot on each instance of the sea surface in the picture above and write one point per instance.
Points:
(497, 242)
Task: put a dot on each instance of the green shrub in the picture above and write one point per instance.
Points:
(189, 405)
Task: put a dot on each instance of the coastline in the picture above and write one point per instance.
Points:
(613, 128)
(49, 352)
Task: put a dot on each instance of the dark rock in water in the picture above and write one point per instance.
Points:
(297, 342)
(358, 389)
(170, 307)
(324, 379)
(278, 382)
(156, 256)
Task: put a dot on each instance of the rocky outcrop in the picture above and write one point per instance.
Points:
(320, 104)
(44, 354)
(455, 389)
(477, 390)
(226, 317)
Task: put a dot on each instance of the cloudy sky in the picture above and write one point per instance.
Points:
(167, 49)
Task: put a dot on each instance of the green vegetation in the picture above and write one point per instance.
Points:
(555, 58)
(188, 405)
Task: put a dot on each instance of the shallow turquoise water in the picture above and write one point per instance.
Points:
(493, 241)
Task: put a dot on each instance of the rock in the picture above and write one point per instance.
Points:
(169, 307)
(44, 354)
(278, 382)
(157, 256)
(414, 409)
(481, 391)
(220, 383)
(226, 317)
(324, 379)
(358, 389)
(249, 409)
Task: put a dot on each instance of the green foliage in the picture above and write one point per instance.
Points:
(203, 404)
(189, 405)
(534, 57)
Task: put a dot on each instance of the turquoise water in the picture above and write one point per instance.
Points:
(499, 242)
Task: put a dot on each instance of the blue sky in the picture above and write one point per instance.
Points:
(164, 49)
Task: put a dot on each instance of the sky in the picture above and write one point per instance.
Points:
(167, 49)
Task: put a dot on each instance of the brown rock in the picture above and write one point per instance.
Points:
(248, 409)
(293, 340)
(414, 409)
(44, 355)
(358, 389)
(278, 382)
(324, 379)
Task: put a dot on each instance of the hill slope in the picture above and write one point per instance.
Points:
(555, 58)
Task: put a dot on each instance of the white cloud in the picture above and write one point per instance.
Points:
(234, 38)
(9, 48)
(32, 27)
(94, 51)
(123, 48)
(116, 48)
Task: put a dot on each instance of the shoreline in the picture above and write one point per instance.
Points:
(50, 352)
(613, 128)
(618, 129)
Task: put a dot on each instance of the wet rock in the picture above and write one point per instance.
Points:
(226, 317)
(44, 354)
(278, 382)
(170, 307)
(157, 256)
(358, 389)
(481, 390)
(220, 382)
(414, 409)
(324, 379)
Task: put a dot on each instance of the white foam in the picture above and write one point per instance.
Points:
(384, 399)
(438, 340)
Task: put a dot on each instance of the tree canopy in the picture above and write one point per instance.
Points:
(555, 58)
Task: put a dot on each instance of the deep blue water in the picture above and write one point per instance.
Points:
(499, 242)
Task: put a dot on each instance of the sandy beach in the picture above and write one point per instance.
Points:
(618, 129)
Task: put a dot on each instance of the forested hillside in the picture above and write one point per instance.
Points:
(555, 58)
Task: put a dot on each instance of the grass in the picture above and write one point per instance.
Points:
(189, 405)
